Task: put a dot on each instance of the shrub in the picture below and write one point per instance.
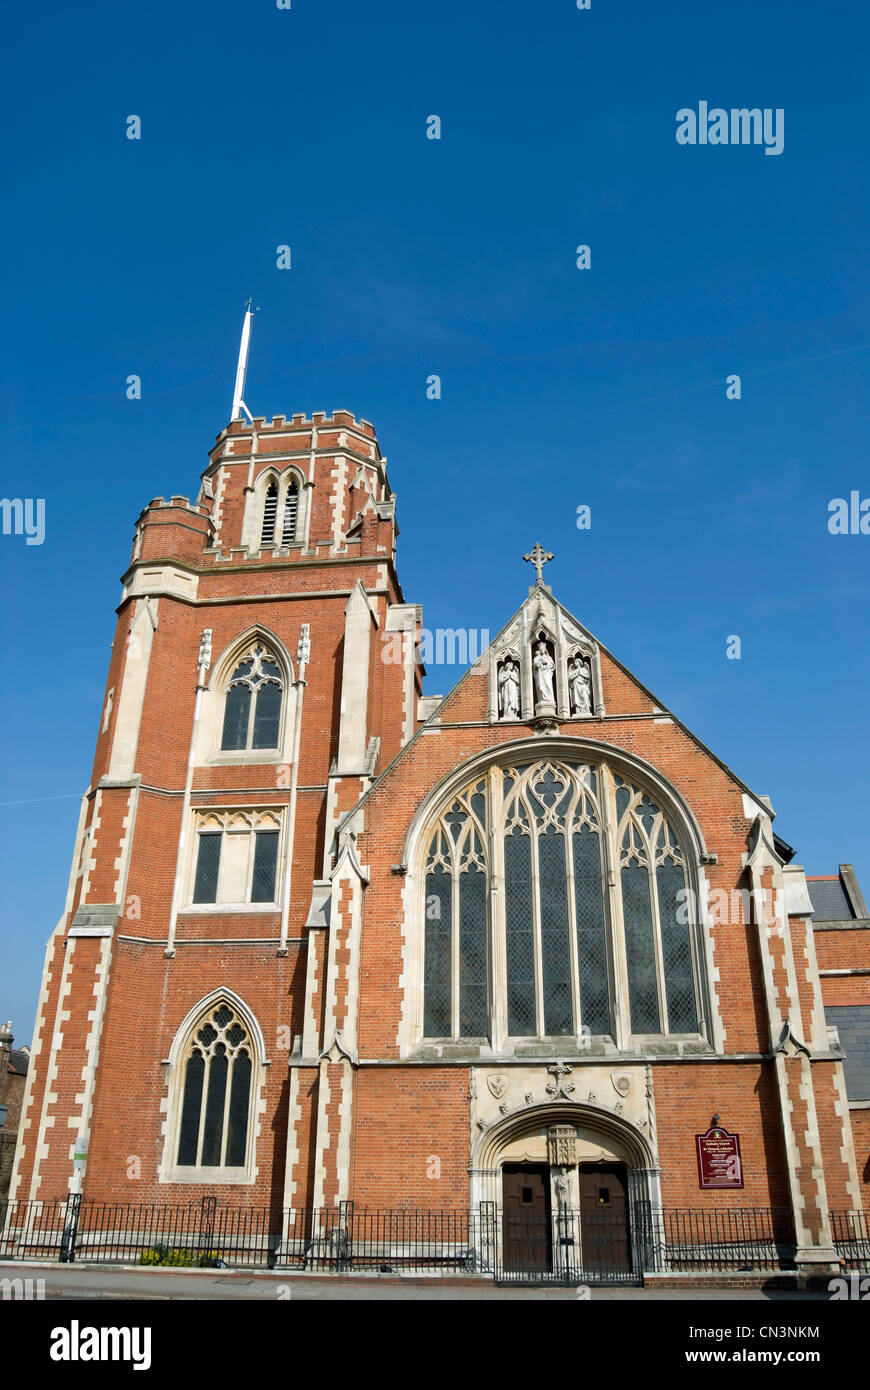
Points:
(179, 1259)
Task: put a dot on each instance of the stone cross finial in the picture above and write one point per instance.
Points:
(538, 557)
(560, 1086)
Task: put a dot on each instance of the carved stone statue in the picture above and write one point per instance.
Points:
(580, 685)
(544, 671)
(562, 1186)
(509, 689)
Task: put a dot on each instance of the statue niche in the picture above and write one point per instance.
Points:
(579, 684)
(544, 676)
(509, 688)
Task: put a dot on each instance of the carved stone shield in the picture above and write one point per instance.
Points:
(622, 1082)
(497, 1085)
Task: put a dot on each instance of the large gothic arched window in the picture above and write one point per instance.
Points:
(555, 904)
(216, 1105)
(252, 713)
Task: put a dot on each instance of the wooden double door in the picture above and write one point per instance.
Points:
(595, 1236)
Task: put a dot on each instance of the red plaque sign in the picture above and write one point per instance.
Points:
(719, 1163)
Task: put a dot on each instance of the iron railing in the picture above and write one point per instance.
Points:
(566, 1247)
(726, 1239)
(851, 1232)
(569, 1247)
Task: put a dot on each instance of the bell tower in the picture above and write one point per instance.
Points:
(254, 693)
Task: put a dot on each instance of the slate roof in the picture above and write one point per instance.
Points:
(829, 900)
(853, 1026)
(19, 1061)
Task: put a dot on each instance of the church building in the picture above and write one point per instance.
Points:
(529, 947)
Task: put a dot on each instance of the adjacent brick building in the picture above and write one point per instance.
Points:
(13, 1075)
(329, 939)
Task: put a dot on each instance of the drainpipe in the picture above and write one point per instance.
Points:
(203, 664)
(303, 656)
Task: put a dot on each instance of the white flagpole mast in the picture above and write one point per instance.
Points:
(242, 368)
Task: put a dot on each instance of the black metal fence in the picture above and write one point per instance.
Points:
(567, 1247)
(735, 1239)
(851, 1232)
(570, 1247)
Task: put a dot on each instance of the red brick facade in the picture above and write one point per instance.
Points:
(349, 1099)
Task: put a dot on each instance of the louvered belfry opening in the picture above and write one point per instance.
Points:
(270, 512)
(291, 513)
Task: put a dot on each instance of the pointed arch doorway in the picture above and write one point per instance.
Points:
(570, 1190)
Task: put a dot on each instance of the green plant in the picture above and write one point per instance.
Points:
(179, 1259)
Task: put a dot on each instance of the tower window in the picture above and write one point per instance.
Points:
(252, 714)
(265, 866)
(236, 859)
(208, 862)
(291, 513)
(270, 512)
(215, 1110)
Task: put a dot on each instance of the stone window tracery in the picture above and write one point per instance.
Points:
(217, 1074)
(529, 935)
(252, 710)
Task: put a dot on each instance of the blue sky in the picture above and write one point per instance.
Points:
(410, 256)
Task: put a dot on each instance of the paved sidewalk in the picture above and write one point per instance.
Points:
(76, 1282)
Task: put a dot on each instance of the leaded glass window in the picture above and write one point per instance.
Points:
(252, 713)
(265, 866)
(208, 859)
(519, 933)
(546, 806)
(236, 857)
(521, 929)
(456, 936)
(676, 938)
(592, 969)
(661, 972)
(216, 1103)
